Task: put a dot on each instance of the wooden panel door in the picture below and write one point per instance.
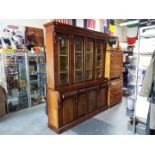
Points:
(82, 103)
(93, 98)
(67, 108)
(103, 96)
(116, 68)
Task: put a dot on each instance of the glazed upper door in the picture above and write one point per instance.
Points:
(63, 59)
(99, 58)
(89, 55)
(78, 59)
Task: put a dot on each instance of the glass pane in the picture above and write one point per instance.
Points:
(89, 59)
(15, 72)
(88, 74)
(78, 76)
(79, 45)
(63, 63)
(78, 61)
(63, 78)
(99, 59)
(89, 55)
(42, 76)
(99, 73)
(63, 51)
(99, 48)
(78, 66)
(37, 78)
(63, 45)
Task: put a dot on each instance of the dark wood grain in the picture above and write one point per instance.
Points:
(73, 102)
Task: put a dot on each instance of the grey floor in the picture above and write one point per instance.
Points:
(33, 121)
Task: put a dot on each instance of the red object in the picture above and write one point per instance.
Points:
(89, 23)
(65, 21)
(131, 40)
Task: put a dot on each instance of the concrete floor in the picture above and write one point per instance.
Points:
(33, 121)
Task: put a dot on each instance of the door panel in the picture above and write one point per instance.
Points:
(93, 99)
(68, 110)
(103, 97)
(82, 105)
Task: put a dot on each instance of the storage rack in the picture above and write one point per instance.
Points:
(16, 76)
(37, 79)
(129, 82)
(137, 78)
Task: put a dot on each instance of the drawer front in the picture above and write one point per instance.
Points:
(116, 57)
(116, 82)
(115, 88)
(117, 93)
(115, 100)
(115, 73)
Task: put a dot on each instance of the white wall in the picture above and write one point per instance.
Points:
(120, 32)
(26, 22)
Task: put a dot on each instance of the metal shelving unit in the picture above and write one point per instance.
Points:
(37, 78)
(139, 53)
(16, 76)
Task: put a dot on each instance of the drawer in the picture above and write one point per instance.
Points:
(116, 82)
(116, 88)
(115, 74)
(116, 100)
(117, 93)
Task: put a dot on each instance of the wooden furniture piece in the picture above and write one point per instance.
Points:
(114, 70)
(76, 87)
(115, 91)
(3, 100)
(34, 37)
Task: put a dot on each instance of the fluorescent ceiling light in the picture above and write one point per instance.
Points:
(129, 23)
